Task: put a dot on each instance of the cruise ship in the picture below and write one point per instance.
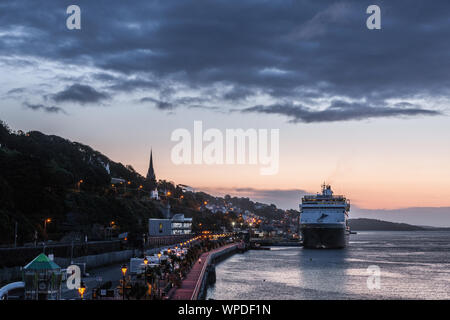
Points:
(324, 220)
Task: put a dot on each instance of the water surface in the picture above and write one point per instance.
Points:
(413, 265)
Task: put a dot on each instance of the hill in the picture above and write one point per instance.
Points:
(46, 176)
(363, 224)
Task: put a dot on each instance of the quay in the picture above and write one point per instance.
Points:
(193, 287)
(255, 243)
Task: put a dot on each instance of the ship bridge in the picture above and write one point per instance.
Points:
(326, 199)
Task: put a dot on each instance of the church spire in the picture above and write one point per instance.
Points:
(151, 172)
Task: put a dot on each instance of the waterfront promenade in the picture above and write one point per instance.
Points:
(190, 285)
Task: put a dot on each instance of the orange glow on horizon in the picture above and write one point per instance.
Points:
(388, 165)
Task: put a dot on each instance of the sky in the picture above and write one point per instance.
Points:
(364, 110)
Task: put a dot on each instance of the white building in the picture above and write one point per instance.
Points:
(178, 224)
(154, 194)
(181, 224)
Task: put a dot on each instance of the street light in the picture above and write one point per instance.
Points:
(159, 259)
(145, 262)
(124, 271)
(79, 184)
(81, 290)
(48, 220)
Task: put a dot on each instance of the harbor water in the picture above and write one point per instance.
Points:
(412, 265)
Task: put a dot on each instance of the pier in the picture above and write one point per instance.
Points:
(255, 243)
(192, 287)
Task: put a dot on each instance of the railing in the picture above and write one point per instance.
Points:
(317, 204)
(168, 240)
(199, 283)
(200, 279)
(322, 198)
(9, 287)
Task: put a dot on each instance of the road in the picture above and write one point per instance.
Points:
(109, 273)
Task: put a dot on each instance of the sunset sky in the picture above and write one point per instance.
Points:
(364, 110)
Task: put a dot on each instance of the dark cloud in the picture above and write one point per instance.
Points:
(79, 93)
(290, 50)
(238, 93)
(16, 91)
(122, 84)
(162, 105)
(37, 107)
(341, 111)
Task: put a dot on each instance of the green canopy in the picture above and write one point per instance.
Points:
(42, 263)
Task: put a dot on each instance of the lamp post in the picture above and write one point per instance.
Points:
(79, 185)
(145, 262)
(124, 271)
(15, 235)
(48, 220)
(81, 290)
(159, 280)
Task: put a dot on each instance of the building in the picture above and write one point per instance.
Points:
(42, 278)
(159, 227)
(154, 194)
(177, 225)
(181, 224)
(117, 180)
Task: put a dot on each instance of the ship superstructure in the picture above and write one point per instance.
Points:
(324, 220)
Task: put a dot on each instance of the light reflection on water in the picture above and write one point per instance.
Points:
(414, 265)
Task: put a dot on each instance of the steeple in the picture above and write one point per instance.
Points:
(151, 177)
